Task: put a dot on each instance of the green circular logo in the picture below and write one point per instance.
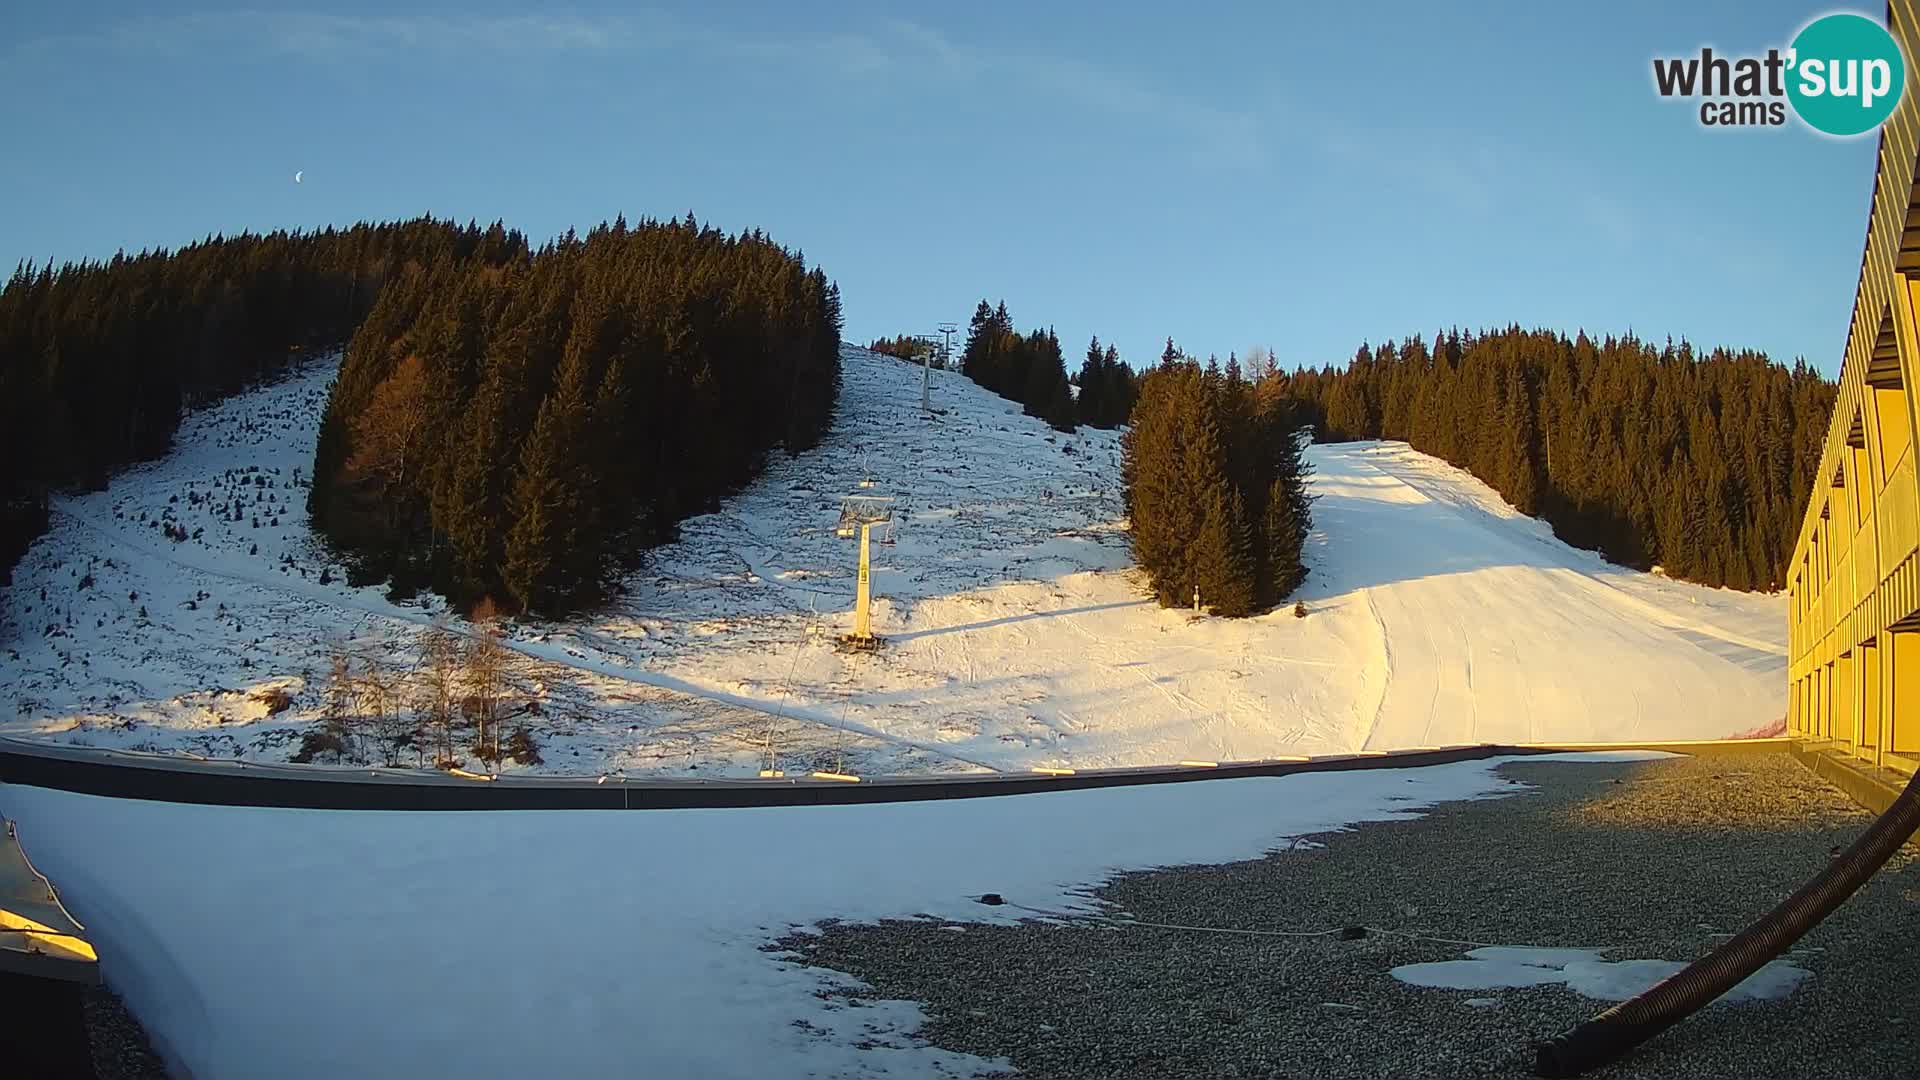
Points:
(1845, 74)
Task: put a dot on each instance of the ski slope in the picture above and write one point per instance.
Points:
(1491, 630)
(1018, 632)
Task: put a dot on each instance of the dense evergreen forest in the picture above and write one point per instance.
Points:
(1107, 387)
(1215, 487)
(99, 360)
(1698, 463)
(518, 430)
(1028, 369)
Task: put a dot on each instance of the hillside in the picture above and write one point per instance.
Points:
(1019, 635)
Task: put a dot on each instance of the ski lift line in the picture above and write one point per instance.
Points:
(840, 736)
(366, 611)
(786, 693)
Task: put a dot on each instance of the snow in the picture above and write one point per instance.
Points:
(1019, 635)
(1583, 971)
(298, 943)
(1591, 756)
(1477, 975)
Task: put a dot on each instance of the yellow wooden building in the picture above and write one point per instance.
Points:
(1854, 583)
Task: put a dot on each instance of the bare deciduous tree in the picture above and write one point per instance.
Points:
(438, 688)
(342, 719)
(486, 671)
(378, 689)
(1259, 363)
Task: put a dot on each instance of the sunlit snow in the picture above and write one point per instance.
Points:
(1018, 633)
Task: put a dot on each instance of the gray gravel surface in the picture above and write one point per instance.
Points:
(120, 1048)
(1652, 860)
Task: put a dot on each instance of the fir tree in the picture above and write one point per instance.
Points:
(1215, 491)
(1091, 405)
(547, 568)
(1120, 391)
(1221, 555)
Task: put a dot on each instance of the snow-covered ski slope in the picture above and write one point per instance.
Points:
(1018, 632)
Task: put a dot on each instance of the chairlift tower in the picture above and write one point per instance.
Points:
(947, 330)
(946, 363)
(926, 372)
(859, 514)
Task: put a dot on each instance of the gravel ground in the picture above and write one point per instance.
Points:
(120, 1048)
(1654, 860)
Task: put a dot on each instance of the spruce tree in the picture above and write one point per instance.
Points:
(1283, 535)
(1215, 492)
(982, 336)
(550, 551)
(1092, 406)
(1119, 394)
(1163, 515)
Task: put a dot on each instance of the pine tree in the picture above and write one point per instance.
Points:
(470, 513)
(1162, 513)
(1223, 551)
(549, 563)
(1215, 492)
(1092, 405)
(1521, 453)
(1120, 391)
(982, 336)
(1283, 533)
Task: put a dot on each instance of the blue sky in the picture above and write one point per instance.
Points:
(1304, 177)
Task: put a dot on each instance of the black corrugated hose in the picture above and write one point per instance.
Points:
(1619, 1029)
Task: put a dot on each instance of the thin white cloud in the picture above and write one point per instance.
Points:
(1229, 136)
(895, 48)
(321, 36)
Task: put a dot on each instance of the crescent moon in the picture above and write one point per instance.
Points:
(298, 175)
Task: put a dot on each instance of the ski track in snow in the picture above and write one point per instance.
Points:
(1020, 635)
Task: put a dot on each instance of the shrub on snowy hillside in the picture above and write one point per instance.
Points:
(1215, 488)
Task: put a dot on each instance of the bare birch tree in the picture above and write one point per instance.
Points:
(342, 719)
(486, 671)
(380, 698)
(1259, 363)
(438, 689)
